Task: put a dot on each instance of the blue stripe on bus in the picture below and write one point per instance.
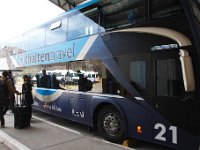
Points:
(45, 92)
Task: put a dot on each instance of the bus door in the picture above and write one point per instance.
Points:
(171, 100)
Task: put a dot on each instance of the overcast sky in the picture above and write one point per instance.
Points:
(19, 16)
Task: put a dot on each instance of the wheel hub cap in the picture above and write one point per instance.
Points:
(111, 124)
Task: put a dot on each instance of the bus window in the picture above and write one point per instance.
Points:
(161, 8)
(96, 73)
(93, 14)
(80, 25)
(81, 72)
(135, 70)
(169, 78)
(196, 9)
(35, 73)
(116, 14)
(23, 42)
(37, 38)
(137, 74)
(56, 34)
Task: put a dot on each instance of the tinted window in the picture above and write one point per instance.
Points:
(56, 32)
(80, 25)
(117, 13)
(169, 78)
(196, 9)
(164, 8)
(137, 74)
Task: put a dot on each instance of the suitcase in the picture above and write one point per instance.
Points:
(22, 114)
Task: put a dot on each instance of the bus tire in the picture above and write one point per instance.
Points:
(110, 124)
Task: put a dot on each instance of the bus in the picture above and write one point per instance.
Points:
(92, 76)
(147, 56)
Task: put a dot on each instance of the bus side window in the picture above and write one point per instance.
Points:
(112, 87)
(169, 78)
(137, 75)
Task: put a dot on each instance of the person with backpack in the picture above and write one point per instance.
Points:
(6, 92)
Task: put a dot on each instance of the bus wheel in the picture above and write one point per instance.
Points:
(110, 124)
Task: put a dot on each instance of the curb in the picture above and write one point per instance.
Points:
(11, 142)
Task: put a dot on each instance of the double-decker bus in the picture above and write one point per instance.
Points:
(146, 54)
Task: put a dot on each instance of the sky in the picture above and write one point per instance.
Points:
(19, 16)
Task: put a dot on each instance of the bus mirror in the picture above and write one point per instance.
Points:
(187, 71)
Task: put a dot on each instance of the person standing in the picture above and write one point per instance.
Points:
(27, 96)
(12, 98)
(37, 76)
(54, 82)
(9, 95)
(80, 81)
(45, 80)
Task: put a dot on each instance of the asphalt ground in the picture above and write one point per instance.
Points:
(134, 144)
(45, 135)
(48, 132)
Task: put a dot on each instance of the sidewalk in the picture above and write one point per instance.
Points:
(49, 136)
(4, 147)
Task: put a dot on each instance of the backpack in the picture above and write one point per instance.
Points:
(3, 91)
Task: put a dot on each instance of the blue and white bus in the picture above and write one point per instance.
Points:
(146, 54)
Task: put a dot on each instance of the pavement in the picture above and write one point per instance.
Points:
(44, 135)
(4, 147)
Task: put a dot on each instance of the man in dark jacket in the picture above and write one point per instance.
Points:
(11, 91)
(45, 80)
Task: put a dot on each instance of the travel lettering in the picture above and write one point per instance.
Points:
(50, 56)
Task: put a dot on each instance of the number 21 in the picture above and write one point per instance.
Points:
(160, 136)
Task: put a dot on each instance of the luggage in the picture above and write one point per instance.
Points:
(22, 114)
